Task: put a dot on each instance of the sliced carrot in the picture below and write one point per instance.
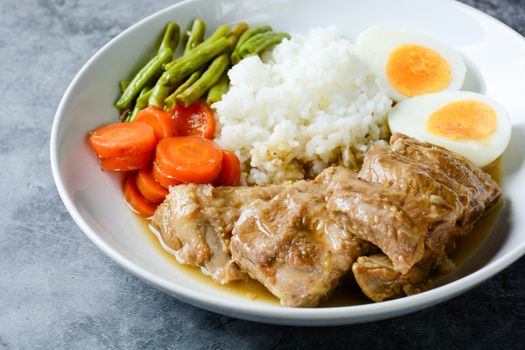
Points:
(230, 174)
(163, 123)
(163, 179)
(127, 163)
(150, 188)
(136, 200)
(197, 120)
(123, 139)
(189, 159)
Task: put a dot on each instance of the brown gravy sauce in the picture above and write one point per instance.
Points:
(347, 293)
(250, 289)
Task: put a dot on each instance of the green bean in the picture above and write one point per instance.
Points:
(171, 38)
(220, 32)
(158, 95)
(123, 85)
(245, 36)
(196, 35)
(235, 57)
(171, 100)
(170, 41)
(163, 86)
(168, 65)
(232, 38)
(219, 89)
(206, 81)
(251, 32)
(260, 42)
(142, 100)
(131, 116)
(237, 31)
(169, 44)
(192, 78)
(142, 78)
(194, 60)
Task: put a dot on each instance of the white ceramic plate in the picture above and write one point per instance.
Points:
(495, 55)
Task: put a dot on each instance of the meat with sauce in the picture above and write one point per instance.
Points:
(375, 214)
(426, 197)
(292, 245)
(196, 221)
(456, 195)
(482, 191)
(378, 279)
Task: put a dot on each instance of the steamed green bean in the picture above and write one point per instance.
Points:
(123, 85)
(171, 38)
(206, 81)
(245, 36)
(142, 78)
(260, 42)
(196, 35)
(171, 100)
(194, 60)
(220, 32)
(219, 89)
(168, 45)
(131, 116)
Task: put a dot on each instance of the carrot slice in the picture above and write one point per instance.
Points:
(163, 123)
(150, 188)
(197, 120)
(123, 139)
(163, 179)
(135, 200)
(230, 174)
(189, 159)
(127, 163)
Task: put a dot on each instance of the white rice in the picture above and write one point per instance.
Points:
(310, 103)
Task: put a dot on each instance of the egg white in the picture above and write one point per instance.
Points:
(410, 117)
(375, 45)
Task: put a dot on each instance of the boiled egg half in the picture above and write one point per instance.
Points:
(409, 64)
(473, 125)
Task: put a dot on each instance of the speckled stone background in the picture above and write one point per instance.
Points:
(58, 291)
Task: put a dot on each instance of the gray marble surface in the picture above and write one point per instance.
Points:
(58, 291)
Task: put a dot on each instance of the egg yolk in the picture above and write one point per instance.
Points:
(415, 70)
(460, 120)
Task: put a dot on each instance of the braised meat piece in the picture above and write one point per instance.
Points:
(292, 245)
(443, 191)
(375, 214)
(196, 222)
(427, 198)
(482, 191)
(379, 281)
(377, 278)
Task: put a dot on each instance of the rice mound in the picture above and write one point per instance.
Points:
(307, 104)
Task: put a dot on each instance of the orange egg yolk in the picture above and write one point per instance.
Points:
(461, 120)
(415, 70)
